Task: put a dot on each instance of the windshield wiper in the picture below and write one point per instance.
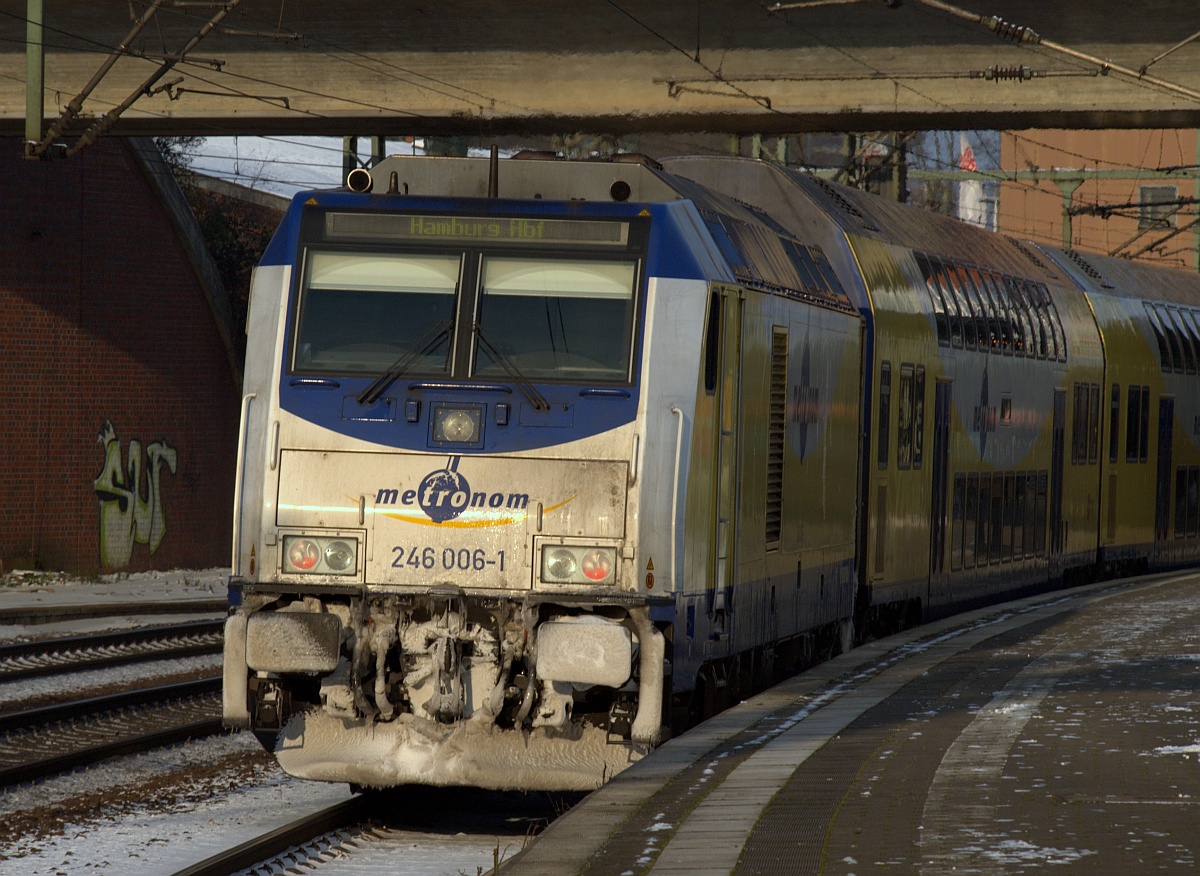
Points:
(396, 370)
(514, 374)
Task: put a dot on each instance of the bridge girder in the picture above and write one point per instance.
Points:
(463, 67)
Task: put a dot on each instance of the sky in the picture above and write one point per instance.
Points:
(281, 165)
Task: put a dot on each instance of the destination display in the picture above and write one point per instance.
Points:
(484, 229)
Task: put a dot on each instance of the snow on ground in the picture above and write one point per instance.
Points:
(20, 589)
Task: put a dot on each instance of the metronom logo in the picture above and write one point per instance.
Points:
(444, 494)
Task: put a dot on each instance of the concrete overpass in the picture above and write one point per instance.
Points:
(465, 67)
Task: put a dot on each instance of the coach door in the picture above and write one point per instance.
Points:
(723, 367)
(943, 392)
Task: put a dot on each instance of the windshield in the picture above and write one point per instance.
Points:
(568, 319)
(361, 311)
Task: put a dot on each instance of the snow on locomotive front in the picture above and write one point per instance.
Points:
(436, 570)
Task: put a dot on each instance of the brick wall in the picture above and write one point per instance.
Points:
(112, 372)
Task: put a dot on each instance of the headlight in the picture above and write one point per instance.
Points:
(572, 564)
(311, 555)
(457, 424)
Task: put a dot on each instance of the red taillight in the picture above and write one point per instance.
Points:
(596, 565)
(303, 554)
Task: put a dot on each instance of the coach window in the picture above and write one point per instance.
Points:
(1028, 340)
(885, 412)
(1005, 318)
(1193, 500)
(1085, 424)
(1093, 447)
(970, 521)
(1133, 421)
(1185, 340)
(985, 319)
(1010, 516)
(1164, 354)
(1029, 489)
(1041, 507)
(958, 507)
(995, 313)
(974, 321)
(1181, 529)
(556, 318)
(1040, 320)
(997, 532)
(1056, 327)
(983, 520)
(1188, 318)
(1114, 422)
(1177, 362)
(359, 312)
(967, 334)
(904, 419)
(1144, 429)
(941, 314)
(1168, 344)
(955, 312)
(1187, 501)
(919, 417)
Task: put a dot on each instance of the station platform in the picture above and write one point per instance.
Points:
(1058, 732)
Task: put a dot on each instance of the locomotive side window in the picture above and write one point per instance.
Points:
(360, 311)
(556, 318)
(712, 343)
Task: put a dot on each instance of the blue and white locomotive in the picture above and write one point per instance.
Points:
(541, 458)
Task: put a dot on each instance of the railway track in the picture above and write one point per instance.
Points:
(39, 742)
(404, 831)
(317, 835)
(35, 743)
(96, 650)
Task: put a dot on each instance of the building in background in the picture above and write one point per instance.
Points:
(1129, 193)
(120, 381)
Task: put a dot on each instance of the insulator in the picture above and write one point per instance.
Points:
(1012, 32)
(995, 73)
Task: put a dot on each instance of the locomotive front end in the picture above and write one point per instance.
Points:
(435, 567)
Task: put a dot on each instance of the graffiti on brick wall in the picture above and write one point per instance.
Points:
(126, 517)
